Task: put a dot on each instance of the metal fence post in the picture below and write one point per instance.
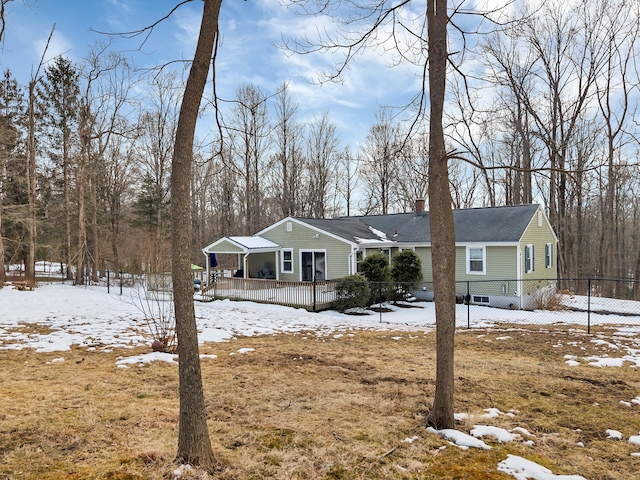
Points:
(108, 280)
(380, 300)
(468, 299)
(120, 282)
(589, 306)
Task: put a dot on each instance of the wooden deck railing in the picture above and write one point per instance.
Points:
(312, 296)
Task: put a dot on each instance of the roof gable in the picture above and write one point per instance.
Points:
(241, 245)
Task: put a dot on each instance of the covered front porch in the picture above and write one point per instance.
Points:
(257, 258)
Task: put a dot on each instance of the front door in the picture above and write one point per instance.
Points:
(313, 264)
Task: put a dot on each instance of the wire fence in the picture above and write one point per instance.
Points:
(591, 304)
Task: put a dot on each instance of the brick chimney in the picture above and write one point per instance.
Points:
(419, 206)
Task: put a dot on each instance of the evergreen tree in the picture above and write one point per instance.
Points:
(12, 174)
(59, 104)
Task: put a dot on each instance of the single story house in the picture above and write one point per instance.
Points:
(503, 254)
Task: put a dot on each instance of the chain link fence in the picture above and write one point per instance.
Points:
(591, 304)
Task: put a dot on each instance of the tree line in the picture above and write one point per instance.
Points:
(550, 117)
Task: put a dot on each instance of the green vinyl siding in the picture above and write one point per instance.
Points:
(303, 238)
(500, 263)
(424, 254)
(538, 236)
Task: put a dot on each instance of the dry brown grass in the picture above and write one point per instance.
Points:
(309, 407)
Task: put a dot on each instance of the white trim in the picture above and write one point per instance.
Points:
(468, 249)
(311, 227)
(313, 250)
(546, 219)
(252, 244)
(282, 261)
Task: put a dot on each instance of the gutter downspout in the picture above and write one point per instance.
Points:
(351, 266)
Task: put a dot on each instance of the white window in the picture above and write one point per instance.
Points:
(287, 260)
(529, 259)
(476, 260)
(548, 255)
(289, 226)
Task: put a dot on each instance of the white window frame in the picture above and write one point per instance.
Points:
(283, 262)
(529, 259)
(484, 260)
(548, 255)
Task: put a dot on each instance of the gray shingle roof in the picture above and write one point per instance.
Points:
(484, 225)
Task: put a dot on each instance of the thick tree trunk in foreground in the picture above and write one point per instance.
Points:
(194, 445)
(443, 251)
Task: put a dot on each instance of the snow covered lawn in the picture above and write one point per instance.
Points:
(64, 327)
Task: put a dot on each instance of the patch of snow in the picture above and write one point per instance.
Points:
(146, 358)
(500, 434)
(605, 361)
(460, 439)
(523, 469)
(634, 439)
(491, 413)
(183, 470)
(614, 434)
(246, 350)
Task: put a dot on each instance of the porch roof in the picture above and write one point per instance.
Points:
(245, 245)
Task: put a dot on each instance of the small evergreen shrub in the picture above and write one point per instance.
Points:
(377, 270)
(406, 271)
(352, 292)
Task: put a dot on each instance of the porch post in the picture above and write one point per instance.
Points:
(206, 256)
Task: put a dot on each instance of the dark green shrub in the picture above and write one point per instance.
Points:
(406, 271)
(352, 292)
(377, 270)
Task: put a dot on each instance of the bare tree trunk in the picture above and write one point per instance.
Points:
(194, 444)
(80, 185)
(30, 261)
(443, 252)
(95, 251)
(3, 273)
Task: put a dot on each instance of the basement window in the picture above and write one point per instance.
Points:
(480, 299)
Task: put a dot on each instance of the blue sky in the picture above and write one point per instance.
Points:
(250, 31)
